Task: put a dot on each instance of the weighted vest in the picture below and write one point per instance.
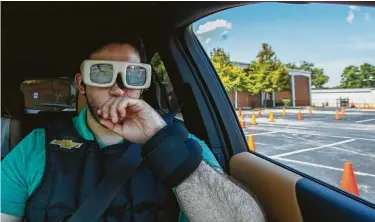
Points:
(75, 166)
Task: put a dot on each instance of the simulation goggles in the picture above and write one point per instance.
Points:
(102, 73)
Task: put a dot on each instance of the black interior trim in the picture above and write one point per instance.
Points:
(202, 107)
(319, 203)
(233, 139)
(180, 74)
(185, 94)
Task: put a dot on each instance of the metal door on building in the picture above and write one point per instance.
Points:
(342, 102)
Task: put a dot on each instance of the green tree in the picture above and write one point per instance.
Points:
(358, 77)
(318, 79)
(292, 66)
(233, 77)
(267, 73)
(159, 68)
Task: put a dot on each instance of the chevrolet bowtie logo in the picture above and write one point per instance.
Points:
(66, 144)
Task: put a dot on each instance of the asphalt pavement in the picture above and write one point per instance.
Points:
(319, 145)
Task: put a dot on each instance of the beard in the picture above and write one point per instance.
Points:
(93, 107)
(94, 110)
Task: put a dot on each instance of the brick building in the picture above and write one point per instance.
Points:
(299, 93)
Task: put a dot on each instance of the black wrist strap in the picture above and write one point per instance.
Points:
(171, 156)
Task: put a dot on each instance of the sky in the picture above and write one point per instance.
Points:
(330, 36)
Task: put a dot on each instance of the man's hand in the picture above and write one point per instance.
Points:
(133, 119)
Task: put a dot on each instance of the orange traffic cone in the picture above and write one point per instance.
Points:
(342, 111)
(299, 115)
(271, 119)
(259, 112)
(253, 120)
(310, 111)
(242, 122)
(251, 144)
(348, 182)
(283, 112)
(337, 115)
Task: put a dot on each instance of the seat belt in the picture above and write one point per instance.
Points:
(100, 199)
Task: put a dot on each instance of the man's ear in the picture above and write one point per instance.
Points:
(78, 80)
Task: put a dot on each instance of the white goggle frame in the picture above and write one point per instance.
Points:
(119, 67)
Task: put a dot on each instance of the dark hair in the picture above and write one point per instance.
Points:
(136, 43)
(93, 45)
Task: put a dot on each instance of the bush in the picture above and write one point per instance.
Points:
(286, 102)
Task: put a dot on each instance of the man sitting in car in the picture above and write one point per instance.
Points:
(51, 173)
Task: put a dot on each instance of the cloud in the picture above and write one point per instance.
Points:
(367, 16)
(209, 30)
(351, 11)
(212, 25)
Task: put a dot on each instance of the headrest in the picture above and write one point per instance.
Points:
(12, 103)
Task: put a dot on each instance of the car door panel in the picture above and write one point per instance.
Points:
(319, 203)
(272, 185)
(287, 196)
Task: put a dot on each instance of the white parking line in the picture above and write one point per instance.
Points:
(322, 166)
(287, 127)
(317, 134)
(287, 137)
(261, 143)
(337, 148)
(264, 124)
(313, 134)
(314, 148)
(350, 151)
(366, 120)
(264, 133)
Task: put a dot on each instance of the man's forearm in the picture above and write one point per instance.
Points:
(9, 218)
(208, 195)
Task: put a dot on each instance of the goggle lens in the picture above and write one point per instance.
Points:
(136, 75)
(101, 73)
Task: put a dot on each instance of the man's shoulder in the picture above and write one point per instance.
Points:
(31, 144)
(21, 172)
(34, 136)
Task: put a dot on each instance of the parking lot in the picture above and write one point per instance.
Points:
(319, 145)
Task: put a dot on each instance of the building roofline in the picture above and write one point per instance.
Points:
(244, 63)
(293, 70)
(342, 90)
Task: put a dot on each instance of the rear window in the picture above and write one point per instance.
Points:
(49, 95)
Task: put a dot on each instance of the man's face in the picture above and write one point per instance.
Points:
(98, 96)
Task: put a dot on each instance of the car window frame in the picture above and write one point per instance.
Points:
(228, 118)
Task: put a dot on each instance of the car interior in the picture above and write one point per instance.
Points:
(51, 39)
